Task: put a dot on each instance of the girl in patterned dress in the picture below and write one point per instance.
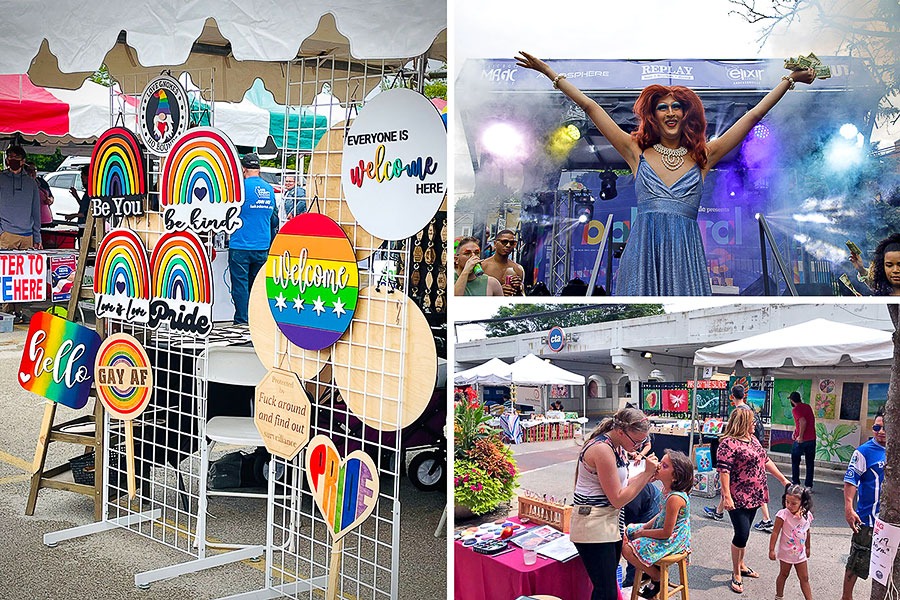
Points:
(790, 541)
(669, 532)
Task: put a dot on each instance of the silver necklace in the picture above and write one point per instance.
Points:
(672, 159)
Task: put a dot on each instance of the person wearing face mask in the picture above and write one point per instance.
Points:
(20, 205)
(670, 158)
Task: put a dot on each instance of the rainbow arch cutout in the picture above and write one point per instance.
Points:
(117, 166)
(181, 269)
(122, 266)
(202, 168)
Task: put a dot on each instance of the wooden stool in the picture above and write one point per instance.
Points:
(666, 589)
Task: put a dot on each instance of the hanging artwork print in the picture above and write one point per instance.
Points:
(58, 360)
(875, 398)
(394, 164)
(825, 399)
(781, 404)
(675, 400)
(651, 400)
(708, 401)
(835, 442)
(201, 186)
(181, 284)
(122, 278)
(164, 113)
(312, 281)
(756, 399)
(117, 181)
(124, 386)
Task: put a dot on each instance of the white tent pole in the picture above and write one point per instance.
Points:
(693, 415)
(584, 401)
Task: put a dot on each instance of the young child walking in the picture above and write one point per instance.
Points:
(669, 532)
(790, 541)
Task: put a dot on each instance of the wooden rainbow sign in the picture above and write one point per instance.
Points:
(201, 186)
(312, 281)
(181, 284)
(58, 360)
(122, 278)
(117, 180)
(345, 490)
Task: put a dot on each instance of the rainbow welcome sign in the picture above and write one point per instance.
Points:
(344, 490)
(181, 284)
(201, 187)
(117, 181)
(58, 360)
(312, 281)
(122, 278)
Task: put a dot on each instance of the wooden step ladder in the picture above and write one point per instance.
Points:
(86, 430)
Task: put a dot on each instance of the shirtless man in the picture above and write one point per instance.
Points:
(498, 265)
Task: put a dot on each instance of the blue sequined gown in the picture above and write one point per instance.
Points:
(664, 255)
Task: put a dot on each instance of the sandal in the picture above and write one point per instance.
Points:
(737, 586)
(748, 572)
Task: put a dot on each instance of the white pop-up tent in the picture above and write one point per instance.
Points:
(493, 372)
(815, 343)
(533, 370)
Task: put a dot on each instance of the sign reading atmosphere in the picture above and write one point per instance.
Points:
(164, 113)
(312, 281)
(394, 164)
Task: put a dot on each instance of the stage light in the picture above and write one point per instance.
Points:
(608, 185)
(760, 131)
(647, 355)
(574, 125)
(756, 216)
(848, 131)
(575, 122)
(504, 141)
(582, 205)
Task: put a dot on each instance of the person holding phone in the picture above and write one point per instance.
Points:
(864, 480)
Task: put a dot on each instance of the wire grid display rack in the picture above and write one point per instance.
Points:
(356, 387)
(168, 435)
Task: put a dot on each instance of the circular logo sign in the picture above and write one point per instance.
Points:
(123, 376)
(312, 281)
(394, 163)
(164, 113)
(556, 339)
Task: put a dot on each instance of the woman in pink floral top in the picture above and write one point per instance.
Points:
(742, 465)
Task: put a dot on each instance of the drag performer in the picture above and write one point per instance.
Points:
(670, 157)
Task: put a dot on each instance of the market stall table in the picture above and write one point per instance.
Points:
(506, 576)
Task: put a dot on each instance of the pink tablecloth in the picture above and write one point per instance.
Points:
(506, 577)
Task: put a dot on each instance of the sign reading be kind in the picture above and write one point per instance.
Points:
(395, 164)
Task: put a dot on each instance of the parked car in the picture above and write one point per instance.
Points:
(73, 163)
(63, 201)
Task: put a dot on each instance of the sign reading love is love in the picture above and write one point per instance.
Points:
(394, 164)
(58, 360)
(122, 278)
(344, 490)
(312, 281)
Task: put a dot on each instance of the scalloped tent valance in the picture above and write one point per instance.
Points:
(71, 39)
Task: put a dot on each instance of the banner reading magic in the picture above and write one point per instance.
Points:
(394, 161)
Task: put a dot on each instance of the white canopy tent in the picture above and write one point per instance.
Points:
(815, 343)
(533, 370)
(493, 372)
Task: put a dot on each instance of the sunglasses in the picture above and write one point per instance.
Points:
(877, 428)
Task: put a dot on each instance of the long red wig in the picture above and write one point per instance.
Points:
(693, 128)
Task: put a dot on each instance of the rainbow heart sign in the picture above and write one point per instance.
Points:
(58, 360)
(122, 278)
(345, 490)
(117, 180)
(124, 379)
(394, 163)
(312, 281)
(181, 284)
(201, 185)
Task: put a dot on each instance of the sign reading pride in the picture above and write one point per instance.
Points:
(117, 180)
(201, 187)
(312, 281)
(58, 360)
(164, 113)
(344, 490)
(181, 284)
(394, 164)
(122, 278)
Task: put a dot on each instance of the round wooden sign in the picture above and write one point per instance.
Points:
(123, 377)
(367, 362)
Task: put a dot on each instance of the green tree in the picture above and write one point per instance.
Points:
(526, 318)
(102, 76)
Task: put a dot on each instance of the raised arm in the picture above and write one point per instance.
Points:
(601, 457)
(619, 139)
(729, 140)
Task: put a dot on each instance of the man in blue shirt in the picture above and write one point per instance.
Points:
(248, 247)
(294, 197)
(864, 478)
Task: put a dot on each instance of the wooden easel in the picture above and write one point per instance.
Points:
(55, 477)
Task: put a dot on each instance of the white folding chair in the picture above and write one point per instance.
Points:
(233, 365)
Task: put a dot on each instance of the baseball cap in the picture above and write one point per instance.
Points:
(250, 161)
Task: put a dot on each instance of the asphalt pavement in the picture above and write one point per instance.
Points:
(549, 468)
(103, 565)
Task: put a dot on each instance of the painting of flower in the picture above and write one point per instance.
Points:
(836, 443)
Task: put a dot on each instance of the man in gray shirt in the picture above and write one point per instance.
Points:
(20, 205)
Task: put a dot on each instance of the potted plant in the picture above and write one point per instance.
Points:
(484, 471)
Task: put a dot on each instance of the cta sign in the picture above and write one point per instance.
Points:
(556, 339)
